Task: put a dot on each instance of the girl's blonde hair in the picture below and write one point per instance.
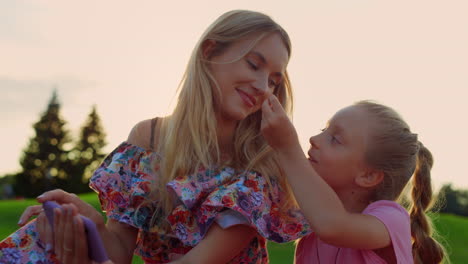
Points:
(189, 139)
(396, 151)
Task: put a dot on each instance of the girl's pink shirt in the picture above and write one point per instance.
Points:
(311, 250)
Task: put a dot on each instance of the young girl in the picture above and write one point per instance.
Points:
(205, 167)
(347, 187)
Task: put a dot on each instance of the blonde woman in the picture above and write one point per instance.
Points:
(204, 167)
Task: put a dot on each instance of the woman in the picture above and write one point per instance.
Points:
(205, 167)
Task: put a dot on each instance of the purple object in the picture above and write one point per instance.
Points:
(96, 249)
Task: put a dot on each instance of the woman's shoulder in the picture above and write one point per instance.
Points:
(144, 134)
(140, 134)
(135, 150)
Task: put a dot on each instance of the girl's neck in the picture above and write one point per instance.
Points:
(354, 200)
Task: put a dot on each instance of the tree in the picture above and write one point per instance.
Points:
(455, 201)
(87, 154)
(45, 154)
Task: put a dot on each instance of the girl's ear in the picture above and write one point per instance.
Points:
(208, 47)
(370, 178)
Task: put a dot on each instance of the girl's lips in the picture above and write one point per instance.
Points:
(247, 98)
(311, 159)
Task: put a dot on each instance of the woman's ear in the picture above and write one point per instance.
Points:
(208, 47)
(370, 178)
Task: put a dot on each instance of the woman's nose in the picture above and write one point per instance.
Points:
(261, 86)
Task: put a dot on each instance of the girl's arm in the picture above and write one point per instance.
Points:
(219, 245)
(318, 201)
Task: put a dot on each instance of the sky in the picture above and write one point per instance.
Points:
(127, 57)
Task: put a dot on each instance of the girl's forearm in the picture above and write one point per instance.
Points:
(317, 200)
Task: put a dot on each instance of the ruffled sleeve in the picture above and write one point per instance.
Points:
(245, 198)
(123, 183)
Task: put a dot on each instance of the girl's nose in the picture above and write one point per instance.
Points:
(313, 142)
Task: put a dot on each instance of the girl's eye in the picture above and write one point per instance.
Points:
(335, 140)
(252, 65)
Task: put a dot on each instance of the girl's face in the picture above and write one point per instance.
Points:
(337, 154)
(246, 82)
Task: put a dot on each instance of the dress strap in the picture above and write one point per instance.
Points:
(153, 126)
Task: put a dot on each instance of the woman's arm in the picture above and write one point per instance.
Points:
(219, 245)
(120, 241)
(318, 201)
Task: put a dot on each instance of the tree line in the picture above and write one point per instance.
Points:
(52, 159)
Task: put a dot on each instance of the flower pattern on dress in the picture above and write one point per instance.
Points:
(24, 247)
(123, 183)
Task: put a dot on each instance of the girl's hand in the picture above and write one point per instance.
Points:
(276, 127)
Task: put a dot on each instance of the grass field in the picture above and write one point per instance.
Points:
(453, 230)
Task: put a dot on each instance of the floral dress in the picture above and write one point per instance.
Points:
(123, 182)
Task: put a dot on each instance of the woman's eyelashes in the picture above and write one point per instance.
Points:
(271, 82)
(252, 65)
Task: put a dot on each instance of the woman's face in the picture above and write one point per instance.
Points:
(337, 154)
(246, 81)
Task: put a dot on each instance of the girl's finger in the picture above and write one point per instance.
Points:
(30, 211)
(274, 103)
(266, 109)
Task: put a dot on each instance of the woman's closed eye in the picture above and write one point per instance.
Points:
(252, 65)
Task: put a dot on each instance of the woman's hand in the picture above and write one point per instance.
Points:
(83, 208)
(42, 225)
(62, 197)
(276, 127)
(69, 235)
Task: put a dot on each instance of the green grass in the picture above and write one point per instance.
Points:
(453, 232)
(452, 229)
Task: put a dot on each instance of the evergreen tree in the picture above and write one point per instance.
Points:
(87, 154)
(42, 160)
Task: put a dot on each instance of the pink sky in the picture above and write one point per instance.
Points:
(129, 58)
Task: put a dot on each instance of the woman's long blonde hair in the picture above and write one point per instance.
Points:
(188, 138)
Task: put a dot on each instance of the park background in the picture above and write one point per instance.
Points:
(127, 58)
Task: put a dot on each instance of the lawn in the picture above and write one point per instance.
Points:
(453, 229)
